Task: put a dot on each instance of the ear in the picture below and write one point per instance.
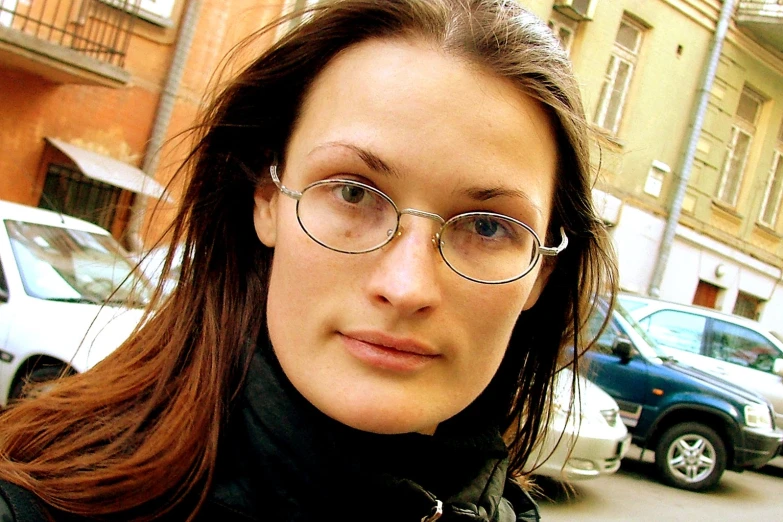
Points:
(265, 214)
(541, 280)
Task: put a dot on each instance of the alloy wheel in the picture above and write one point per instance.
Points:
(691, 458)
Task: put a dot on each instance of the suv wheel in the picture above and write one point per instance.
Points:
(691, 456)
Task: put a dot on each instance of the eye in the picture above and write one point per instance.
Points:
(352, 193)
(487, 227)
(481, 230)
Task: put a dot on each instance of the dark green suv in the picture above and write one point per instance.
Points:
(697, 424)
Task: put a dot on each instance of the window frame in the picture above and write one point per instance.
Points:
(620, 55)
(736, 130)
(159, 14)
(68, 190)
(777, 164)
(740, 126)
(775, 173)
(558, 23)
(291, 6)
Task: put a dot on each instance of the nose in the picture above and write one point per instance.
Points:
(406, 276)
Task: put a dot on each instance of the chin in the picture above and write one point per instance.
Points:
(384, 427)
(383, 421)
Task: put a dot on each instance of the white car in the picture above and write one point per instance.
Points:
(66, 298)
(151, 264)
(586, 444)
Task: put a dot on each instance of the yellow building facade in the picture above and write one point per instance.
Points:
(642, 66)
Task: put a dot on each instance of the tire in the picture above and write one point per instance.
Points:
(32, 384)
(690, 456)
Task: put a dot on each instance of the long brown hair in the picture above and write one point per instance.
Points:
(138, 434)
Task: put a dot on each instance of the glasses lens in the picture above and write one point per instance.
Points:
(488, 247)
(347, 216)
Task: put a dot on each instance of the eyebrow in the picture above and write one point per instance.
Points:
(374, 162)
(485, 194)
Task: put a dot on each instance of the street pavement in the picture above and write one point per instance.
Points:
(634, 494)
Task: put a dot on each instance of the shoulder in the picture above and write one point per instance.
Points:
(215, 510)
(521, 506)
(20, 505)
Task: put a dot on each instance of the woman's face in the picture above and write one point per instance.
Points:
(394, 341)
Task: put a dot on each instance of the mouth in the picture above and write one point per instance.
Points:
(387, 352)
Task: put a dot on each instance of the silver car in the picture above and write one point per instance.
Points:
(735, 348)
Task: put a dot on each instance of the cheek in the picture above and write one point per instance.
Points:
(492, 313)
(305, 280)
(488, 319)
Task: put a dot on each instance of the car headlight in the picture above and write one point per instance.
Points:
(758, 416)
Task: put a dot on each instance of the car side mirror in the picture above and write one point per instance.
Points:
(623, 349)
(777, 367)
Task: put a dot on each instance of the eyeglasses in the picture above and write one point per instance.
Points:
(354, 218)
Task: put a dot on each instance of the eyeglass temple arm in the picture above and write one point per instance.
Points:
(285, 190)
(553, 251)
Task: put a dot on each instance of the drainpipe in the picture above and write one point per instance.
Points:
(687, 164)
(163, 116)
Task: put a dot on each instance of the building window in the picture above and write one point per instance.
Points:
(292, 6)
(69, 191)
(739, 146)
(748, 305)
(158, 12)
(565, 30)
(618, 76)
(706, 294)
(773, 192)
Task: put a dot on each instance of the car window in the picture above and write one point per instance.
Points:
(679, 330)
(739, 345)
(63, 264)
(605, 342)
(3, 282)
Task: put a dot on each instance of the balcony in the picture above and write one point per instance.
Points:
(763, 19)
(68, 41)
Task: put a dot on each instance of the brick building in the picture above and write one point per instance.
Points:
(81, 85)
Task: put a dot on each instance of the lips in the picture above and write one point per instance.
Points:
(388, 352)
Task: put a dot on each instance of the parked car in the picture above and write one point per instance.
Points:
(729, 346)
(68, 296)
(584, 441)
(151, 265)
(697, 424)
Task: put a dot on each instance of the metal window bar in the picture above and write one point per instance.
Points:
(100, 29)
(69, 191)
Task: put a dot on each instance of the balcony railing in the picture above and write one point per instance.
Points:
(763, 19)
(75, 32)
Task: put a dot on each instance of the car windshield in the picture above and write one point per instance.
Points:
(643, 342)
(64, 264)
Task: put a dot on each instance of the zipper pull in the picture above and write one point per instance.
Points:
(437, 512)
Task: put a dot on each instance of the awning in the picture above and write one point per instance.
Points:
(111, 171)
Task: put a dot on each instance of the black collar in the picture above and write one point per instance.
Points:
(282, 459)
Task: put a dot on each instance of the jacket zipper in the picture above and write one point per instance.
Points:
(437, 512)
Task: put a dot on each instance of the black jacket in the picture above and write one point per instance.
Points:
(281, 460)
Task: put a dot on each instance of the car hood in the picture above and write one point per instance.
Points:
(716, 382)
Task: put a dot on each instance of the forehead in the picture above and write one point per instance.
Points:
(427, 111)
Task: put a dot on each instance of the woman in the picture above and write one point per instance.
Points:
(390, 242)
